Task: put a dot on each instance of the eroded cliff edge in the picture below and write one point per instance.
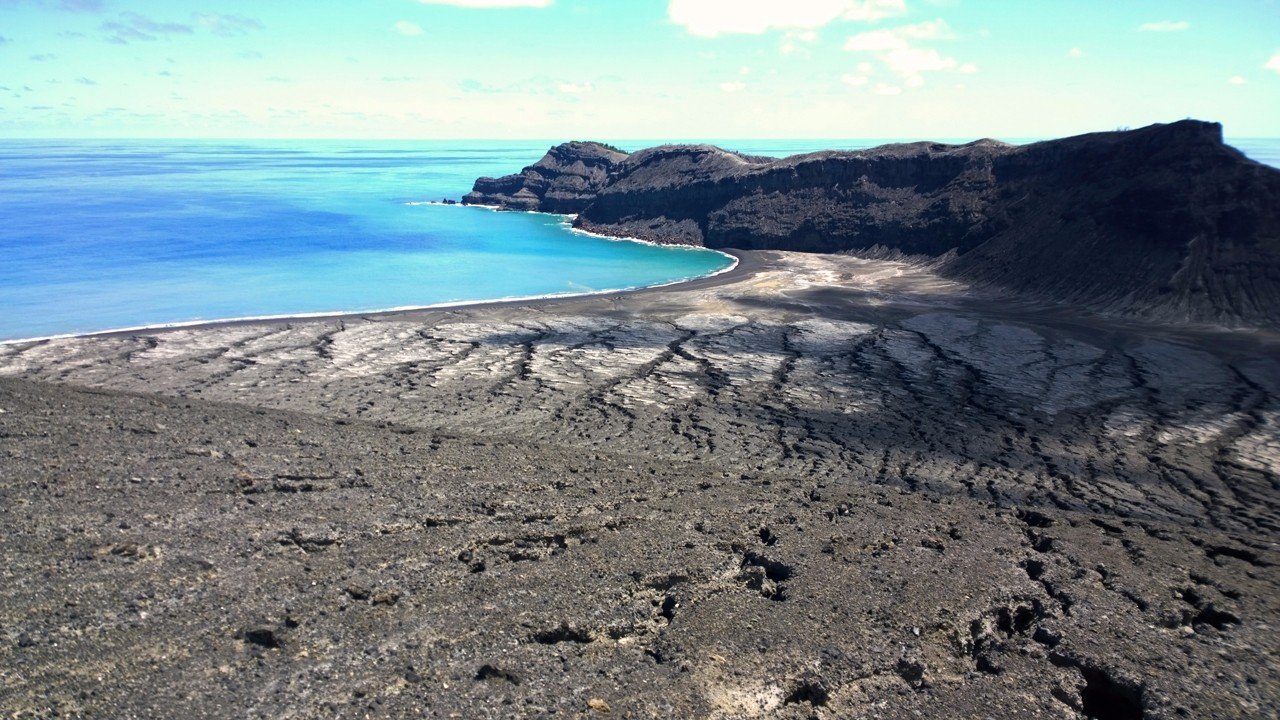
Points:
(1165, 221)
(565, 180)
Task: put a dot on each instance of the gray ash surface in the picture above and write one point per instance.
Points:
(829, 488)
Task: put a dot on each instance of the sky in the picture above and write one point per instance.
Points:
(615, 69)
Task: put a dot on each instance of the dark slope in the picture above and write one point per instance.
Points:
(179, 558)
(1165, 221)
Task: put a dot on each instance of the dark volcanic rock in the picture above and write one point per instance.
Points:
(820, 486)
(627, 592)
(563, 181)
(1165, 221)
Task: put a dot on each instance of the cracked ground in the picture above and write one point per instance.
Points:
(821, 487)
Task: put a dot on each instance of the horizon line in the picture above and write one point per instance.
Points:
(968, 138)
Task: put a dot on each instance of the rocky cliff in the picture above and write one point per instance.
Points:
(563, 181)
(1166, 221)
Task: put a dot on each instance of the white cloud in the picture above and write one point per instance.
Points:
(404, 27)
(1075, 52)
(929, 30)
(911, 61)
(227, 25)
(1237, 80)
(854, 80)
(900, 37)
(731, 87)
(575, 88)
(709, 18)
(1273, 63)
(872, 10)
(875, 41)
(489, 3)
(792, 42)
(887, 89)
(1164, 26)
(896, 48)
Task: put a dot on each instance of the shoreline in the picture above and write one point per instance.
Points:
(743, 267)
(567, 220)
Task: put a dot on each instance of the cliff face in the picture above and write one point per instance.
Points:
(563, 181)
(1165, 221)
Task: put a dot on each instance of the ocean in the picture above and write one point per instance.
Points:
(105, 234)
(100, 235)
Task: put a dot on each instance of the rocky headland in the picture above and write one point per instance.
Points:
(1165, 221)
(564, 181)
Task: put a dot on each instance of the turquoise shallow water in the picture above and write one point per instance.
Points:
(98, 235)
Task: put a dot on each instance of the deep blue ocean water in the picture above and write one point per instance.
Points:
(101, 234)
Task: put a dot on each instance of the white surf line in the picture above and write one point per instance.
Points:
(566, 220)
(358, 313)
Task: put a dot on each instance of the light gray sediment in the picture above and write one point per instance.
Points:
(825, 487)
